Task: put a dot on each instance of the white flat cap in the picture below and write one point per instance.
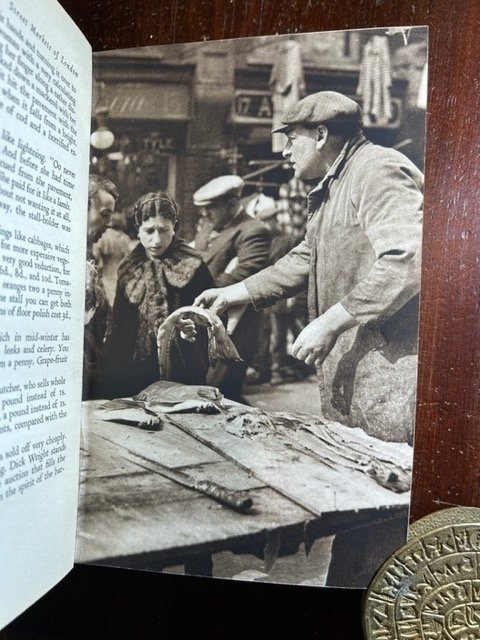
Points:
(218, 188)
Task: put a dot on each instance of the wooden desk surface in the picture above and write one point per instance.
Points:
(130, 516)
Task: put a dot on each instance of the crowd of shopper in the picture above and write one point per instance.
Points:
(144, 272)
(355, 266)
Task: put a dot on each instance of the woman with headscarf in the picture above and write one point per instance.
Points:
(161, 274)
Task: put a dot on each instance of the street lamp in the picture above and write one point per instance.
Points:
(102, 137)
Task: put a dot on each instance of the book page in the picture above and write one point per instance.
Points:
(45, 89)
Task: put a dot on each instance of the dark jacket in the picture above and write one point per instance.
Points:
(247, 242)
(96, 311)
(245, 239)
(147, 292)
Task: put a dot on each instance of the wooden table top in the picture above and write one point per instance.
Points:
(127, 510)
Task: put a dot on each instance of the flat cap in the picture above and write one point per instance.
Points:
(319, 108)
(218, 188)
(261, 207)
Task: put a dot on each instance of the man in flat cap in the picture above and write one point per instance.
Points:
(360, 262)
(238, 246)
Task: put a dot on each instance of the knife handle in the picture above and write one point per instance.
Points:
(238, 500)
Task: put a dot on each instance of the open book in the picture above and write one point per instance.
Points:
(317, 490)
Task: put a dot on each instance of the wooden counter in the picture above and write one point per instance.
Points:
(134, 517)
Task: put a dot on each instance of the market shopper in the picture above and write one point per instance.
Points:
(161, 274)
(110, 250)
(236, 247)
(102, 195)
(360, 262)
(272, 362)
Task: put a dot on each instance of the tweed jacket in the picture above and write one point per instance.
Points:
(245, 239)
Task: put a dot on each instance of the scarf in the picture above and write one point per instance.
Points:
(144, 282)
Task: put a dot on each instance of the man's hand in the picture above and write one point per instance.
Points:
(234, 298)
(204, 229)
(219, 300)
(315, 342)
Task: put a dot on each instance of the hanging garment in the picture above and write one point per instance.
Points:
(287, 85)
(375, 82)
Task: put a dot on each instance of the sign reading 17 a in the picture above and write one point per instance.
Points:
(253, 105)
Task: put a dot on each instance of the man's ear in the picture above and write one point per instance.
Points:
(321, 136)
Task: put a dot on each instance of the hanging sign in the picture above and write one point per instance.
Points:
(256, 107)
(252, 107)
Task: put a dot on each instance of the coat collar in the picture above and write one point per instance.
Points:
(317, 194)
(178, 263)
(239, 217)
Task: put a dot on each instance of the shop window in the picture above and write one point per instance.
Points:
(138, 164)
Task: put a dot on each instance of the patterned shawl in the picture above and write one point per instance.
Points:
(144, 283)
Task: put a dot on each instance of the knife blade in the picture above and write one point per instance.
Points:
(237, 500)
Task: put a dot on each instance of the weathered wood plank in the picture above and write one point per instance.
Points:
(187, 525)
(147, 486)
(168, 446)
(302, 478)
(99, 458)
(140, 517)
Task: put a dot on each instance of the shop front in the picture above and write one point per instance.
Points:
(148, 109)
(184, 114)
(252, 116)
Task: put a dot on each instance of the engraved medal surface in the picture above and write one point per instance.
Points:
(430, 588)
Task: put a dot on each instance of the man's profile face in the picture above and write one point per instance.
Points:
(101, 208)
(302, 153)
(220, 212)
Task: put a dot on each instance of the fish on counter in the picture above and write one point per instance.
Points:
(129, 411)
(220, 345)
(164, 396)
(167, 396)
(332, 444)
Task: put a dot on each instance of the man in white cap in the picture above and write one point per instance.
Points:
(360, 262)
(238, 246)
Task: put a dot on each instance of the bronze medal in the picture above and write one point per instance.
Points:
(430, 588)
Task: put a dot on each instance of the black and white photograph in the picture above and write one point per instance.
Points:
(251, 312)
